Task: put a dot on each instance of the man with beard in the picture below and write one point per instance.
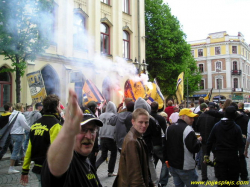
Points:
(67, 163)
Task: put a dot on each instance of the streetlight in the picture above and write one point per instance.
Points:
(140, 66)
(218, 71)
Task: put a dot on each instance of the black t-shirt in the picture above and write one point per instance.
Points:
(80, 174)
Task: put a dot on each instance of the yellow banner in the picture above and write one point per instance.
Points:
(36, 85)
(180, 88)
(208, 95)
(134, 90)
(152, 93)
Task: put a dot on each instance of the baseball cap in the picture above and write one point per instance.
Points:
(87, 117)
(188, 112)
(38, 104)
(203, 105)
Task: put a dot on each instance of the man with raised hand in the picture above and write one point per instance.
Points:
(67, 163)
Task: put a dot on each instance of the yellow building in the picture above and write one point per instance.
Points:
(224, 62)
(94, 40)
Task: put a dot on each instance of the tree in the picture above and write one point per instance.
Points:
(25, 30)
(167, 52)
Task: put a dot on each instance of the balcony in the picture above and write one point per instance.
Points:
(237, 89)
(236, 72)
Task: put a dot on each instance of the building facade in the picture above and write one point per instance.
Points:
(224, 62)
(94, 40)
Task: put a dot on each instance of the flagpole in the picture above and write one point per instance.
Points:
(187, 91)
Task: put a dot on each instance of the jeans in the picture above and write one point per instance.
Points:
(108, 144)
(18, 148)
(26, 141)
(151, 166)
(203, 165)
(184, 177)
(7, 144)
(158, 153)
(198, 158)
(38, 176)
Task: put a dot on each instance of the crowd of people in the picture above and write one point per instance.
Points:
(64, 144)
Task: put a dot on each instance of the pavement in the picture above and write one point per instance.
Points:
(12, 180)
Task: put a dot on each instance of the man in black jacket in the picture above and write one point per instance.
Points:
(226, 137)
(158, 148)
(205, 124)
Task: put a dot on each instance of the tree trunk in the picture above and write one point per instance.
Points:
(18, 84)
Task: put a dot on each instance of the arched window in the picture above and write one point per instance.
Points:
(126, 45)
(218, 65)
(5, 88)
(235, 83)
(234, 65)
(105, 38)
(79, 31)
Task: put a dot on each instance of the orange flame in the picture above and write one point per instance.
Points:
(121, 93)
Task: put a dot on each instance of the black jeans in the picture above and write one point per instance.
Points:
(243, 163)
(228, 170)
(108, 144)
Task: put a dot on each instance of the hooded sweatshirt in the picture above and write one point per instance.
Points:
(20, 123)
(118, 121)
(227, 139)
(4, 119)
(107, 130)
(32, 116)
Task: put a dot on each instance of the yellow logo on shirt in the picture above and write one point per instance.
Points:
(39, 129)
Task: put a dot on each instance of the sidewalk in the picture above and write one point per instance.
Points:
(12, 180)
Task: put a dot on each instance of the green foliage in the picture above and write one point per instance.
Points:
(167, 52)
(25, 27)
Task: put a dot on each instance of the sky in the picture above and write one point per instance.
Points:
(198, 18)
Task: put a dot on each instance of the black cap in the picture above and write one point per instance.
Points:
(231, 112)
(38, 104)
(211, 105)
(87, 117)
(92, 104)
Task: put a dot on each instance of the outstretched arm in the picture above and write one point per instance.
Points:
(61, 151)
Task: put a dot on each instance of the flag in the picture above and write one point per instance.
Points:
(150, 100)
(209, 94)
(91, 93)
(180, 88)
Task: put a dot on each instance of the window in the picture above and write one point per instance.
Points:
(125, 6)
(200, 52)
(219, 83)
(192, 52)
(217, 50)
(126, 45)
(201, 68)
(202, 85)
(234, 65)
(5, 88)
(218, 66)
(105, 38)
(105, 1)
(234, 49)
(79, 31)
(235, 83)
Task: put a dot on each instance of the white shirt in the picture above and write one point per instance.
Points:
(20, 123)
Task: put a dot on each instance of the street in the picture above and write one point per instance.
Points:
(12, 180)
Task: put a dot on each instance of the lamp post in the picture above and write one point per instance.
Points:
(218, 71)
(140, 66)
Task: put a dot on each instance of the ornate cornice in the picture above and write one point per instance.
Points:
(106, 20)
(126, 28)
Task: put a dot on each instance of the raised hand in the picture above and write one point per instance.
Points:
(73, 114)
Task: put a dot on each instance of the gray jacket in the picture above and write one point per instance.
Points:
(118, 121)
(107, 130)
(32, 116)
